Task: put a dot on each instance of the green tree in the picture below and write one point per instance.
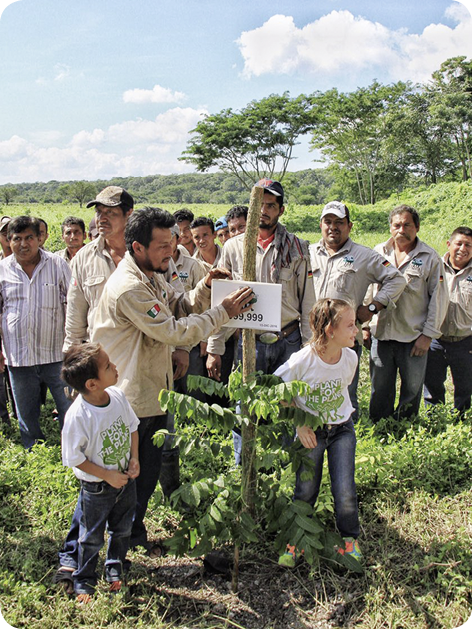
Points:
(451, 96)
(352, 131)
(252, 143)
(7, 194)
(79, 191)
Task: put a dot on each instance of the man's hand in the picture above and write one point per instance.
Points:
(363, 313)
(307, 436)
(213, 365)
(238, 301)
(203, 348)
(367, 338)
(421, 346)
(133, 468)
(218, 273)
(180, 361)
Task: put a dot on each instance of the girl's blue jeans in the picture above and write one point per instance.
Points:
(340, 443)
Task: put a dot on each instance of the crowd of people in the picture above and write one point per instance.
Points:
(114, 321)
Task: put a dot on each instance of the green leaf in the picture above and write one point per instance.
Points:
(308, 524)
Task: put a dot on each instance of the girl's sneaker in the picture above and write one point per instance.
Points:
(351, 547)
(290, 557)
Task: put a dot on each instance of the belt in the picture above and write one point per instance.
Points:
(272, 337)
(453, 339)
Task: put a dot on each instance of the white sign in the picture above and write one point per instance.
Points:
(266, 312)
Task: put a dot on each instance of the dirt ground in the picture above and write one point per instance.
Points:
(269, 597)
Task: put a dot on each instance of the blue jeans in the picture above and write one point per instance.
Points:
(340, 443)
(103, 506)
(457, 356)
(150, 461)
(26, 388)
(386, 359)
(268, 359)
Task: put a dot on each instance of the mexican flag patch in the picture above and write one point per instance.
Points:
(155, 310)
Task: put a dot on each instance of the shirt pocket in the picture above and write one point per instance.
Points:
(414, 278)
(51, 296)
(344, 279)
(466, 291)
(93, 287)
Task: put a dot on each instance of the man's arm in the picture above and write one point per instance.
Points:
(306, 295)
(77, 309)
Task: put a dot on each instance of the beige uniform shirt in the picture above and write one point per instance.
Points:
(422, 306)
(91, 267)
(64, 254)
(206, 266)
(348, 273)
(138, 325)
(189, 271)
(298, 295)
(458, 321)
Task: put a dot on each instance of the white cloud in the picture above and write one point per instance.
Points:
(134, 147)
(158, 94)
(62, 71)
(340, 42)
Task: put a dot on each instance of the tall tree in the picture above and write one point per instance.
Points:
(451, 94)
(7, 194)
(352, 131)
(79, 191)
(252, 143)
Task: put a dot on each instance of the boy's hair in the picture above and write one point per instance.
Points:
(324, 312)
(183, 215)
(463, 231)
(405, 209)
(141, 223)
(201, 221)
(80, 364)
(20, 224)
(72, 220)
(236, 212)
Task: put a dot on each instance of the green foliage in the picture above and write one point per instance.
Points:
(252, 143)
(212, 508)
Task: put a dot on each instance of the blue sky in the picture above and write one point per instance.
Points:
(100, 88)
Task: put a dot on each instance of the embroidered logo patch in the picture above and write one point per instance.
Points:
(155, 310)
(469, 278)
(386, 263)
(174, 276)
(348, 260)
(417, 262)
(310, 273)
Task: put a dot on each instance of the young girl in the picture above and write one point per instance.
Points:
(328, 366)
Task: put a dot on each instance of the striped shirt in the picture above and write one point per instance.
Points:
(33, 310)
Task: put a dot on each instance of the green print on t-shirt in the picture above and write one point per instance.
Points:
(326, 399)
(115, 444)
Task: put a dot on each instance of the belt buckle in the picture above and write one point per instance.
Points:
(268, 338)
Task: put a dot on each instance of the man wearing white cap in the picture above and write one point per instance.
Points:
(343, 269)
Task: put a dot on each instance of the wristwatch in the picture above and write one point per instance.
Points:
(372, 308)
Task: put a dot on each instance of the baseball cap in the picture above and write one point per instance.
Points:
(175, 230)
(274, 187)
(93, 231)
(113, 196)
(337, 208)
(221, 223)
(4, 222)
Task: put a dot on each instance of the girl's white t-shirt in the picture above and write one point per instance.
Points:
(100, 434)
(329, 397)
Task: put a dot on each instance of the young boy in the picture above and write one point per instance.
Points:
(100, 442)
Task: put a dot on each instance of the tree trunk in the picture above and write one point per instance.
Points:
(249, 352)
(249, 479)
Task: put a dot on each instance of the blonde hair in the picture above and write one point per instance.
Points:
(324, 312)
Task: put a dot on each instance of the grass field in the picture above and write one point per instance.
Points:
(415, 494)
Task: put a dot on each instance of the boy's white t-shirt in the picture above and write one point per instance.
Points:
(100, 434)
(329, 397)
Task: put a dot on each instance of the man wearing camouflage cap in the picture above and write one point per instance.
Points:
(95, 262)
